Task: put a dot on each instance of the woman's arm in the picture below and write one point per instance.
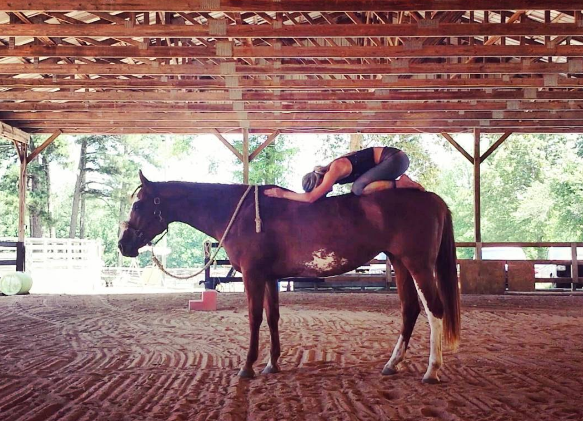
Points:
(324, 187)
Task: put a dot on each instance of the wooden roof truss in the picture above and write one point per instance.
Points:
(225, 66)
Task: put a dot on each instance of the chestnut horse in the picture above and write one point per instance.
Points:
(328, 237)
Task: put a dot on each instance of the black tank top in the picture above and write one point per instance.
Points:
(361, 161)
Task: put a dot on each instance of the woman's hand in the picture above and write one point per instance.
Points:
(274, 192)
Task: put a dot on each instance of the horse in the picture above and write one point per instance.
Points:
(328, 237)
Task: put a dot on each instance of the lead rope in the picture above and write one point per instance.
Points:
(220, 246)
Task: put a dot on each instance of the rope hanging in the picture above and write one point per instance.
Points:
(220, 246)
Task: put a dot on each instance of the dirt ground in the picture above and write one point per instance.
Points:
(145, 357)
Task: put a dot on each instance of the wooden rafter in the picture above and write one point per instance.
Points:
(287, 6)
(291, 31)
(234, 51)
(394, 68)
(295, 66)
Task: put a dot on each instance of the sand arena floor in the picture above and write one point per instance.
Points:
(145, 357)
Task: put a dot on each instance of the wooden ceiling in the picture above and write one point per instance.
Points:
(319, 66)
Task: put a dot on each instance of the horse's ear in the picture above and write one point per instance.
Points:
(146, 184)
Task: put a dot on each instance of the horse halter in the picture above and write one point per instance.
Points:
(158, 214)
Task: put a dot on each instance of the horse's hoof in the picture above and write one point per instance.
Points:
(246, 374)
(388, 371)
(270, 369)
(430, 380)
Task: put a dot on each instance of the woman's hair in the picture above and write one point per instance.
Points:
(312, 179)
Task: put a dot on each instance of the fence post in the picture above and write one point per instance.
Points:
(574, 267)
(20, 256)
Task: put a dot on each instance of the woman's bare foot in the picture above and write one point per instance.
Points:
(404, 182)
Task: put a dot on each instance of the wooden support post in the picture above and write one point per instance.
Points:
(356, 142)
(20, 257)
(459, 147)
(477, 207)
(227, 144)
(494, 146)
(245, 156)
(44, 145)
(270, 139)
(574, 267)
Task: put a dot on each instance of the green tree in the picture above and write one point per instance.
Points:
(271, 166)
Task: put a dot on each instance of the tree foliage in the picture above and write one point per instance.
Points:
(532, 186)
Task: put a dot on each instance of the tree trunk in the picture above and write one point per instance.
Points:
(34, 185)
(51, 223)
(82, 218)
(78, 187)
(121, 216)
(36, 229)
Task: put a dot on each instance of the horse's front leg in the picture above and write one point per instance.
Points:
(255, 288)
(272, 311)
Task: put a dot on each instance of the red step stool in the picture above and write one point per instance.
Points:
(208, 301)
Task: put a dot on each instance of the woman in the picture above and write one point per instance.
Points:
(369, 170)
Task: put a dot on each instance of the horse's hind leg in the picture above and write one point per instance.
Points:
(409, 311)
(255, 288)
(426, 285)
(272, 311)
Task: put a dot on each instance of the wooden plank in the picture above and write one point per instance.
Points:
(22, 193)
(437, 51)
(287, 6)
(459, 147)
(376, 96)
(495, 145)
(445, 125)
(106, 129)
(177, 115)
(270, 139)
(395, 68)
(43, 146)
(14, 134)
(440, 30)
(226, 143)
(290, 84)
(541, 108)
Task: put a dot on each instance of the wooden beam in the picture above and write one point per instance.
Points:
(378, 108)
(22, 178)
(308, 116)
(494, 146)
(14, 134)
(445, 125)
(459, 147)
(107, 129)
(292, 84)
(227, 143)
(287, 6)
(435, 51)
(44, 145)
(375, 97)
(574, 66)
(477, 198)
(246, 156)
(270, 139)
(440, 30)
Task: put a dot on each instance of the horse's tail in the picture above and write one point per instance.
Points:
(447, 282)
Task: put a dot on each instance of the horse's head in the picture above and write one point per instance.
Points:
(146, 220)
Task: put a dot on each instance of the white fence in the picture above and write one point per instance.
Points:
(63, 265)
